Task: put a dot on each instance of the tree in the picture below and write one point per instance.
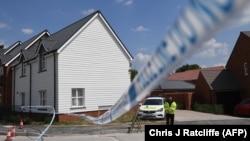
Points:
(133, 73)
(188, 67)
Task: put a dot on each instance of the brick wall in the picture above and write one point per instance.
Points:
(236, 63)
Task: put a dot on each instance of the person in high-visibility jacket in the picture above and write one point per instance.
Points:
(170, 107)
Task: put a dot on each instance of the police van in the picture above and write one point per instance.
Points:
(152, 108)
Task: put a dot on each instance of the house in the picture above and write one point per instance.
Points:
(228, 87)
(6, 76)
(223, 86)
(213, 85)
(182, 86)
(239, 62)
(218, 87)
(79, 69)
(9, 56)
(182, 92)
(191, 75)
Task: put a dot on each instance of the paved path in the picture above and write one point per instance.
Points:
(188, 117)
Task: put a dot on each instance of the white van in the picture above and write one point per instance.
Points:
(152, 108)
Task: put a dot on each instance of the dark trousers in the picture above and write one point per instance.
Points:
(170, 119)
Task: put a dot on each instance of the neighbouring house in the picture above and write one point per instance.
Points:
(218, 87)
(182, 86)
(239, 62)
(213, 85)
(81, 68)
(226, 86)
(8, 56)
(191, 75)
(181, 91)
(6, 76)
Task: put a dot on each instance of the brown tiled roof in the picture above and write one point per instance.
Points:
(191, 74)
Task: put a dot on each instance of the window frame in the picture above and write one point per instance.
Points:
(23, 71)
(77, 97)
(42, 62)
(42, 98)
(22, 94)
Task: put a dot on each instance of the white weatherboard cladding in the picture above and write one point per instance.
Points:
(92, 60)
(43, 81)
(22, 85)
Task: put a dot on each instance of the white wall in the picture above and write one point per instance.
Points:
(22, 85)
(43, 81)
(94, 61)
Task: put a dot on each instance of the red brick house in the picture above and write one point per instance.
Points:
(181, 91)
(5, 76)
(218, 87)
(213, 85)
(239, 62)
(191, 75)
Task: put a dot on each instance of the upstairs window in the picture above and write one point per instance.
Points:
(23, 69)
(42, 62)
(245, 69)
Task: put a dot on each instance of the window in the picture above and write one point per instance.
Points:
(42, 97)
(245, 69)
(22, 98)
(78, 97)
(23, 69)
(42, 62)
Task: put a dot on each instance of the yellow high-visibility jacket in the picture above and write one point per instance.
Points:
(170, 109)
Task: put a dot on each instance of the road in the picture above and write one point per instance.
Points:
(119, 132)
(104, 137)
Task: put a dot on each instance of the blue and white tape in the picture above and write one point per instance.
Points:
(198, 22)
(41, 109)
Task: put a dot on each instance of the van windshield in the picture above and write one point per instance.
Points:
(153, 102)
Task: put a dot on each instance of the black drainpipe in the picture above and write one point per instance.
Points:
(30, 87)
(14, 86)
(55, 81)
(3, 81)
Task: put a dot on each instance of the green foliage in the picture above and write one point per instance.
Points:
(188, 67)
(27, 120)
(14, 118)
(180, 106)
(125, 118)
(47, 119)
(208, 108)
(133, 73)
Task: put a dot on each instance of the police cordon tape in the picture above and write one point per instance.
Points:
(41, 109)
(198, 22)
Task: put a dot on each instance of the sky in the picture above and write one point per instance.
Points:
(140, 24)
